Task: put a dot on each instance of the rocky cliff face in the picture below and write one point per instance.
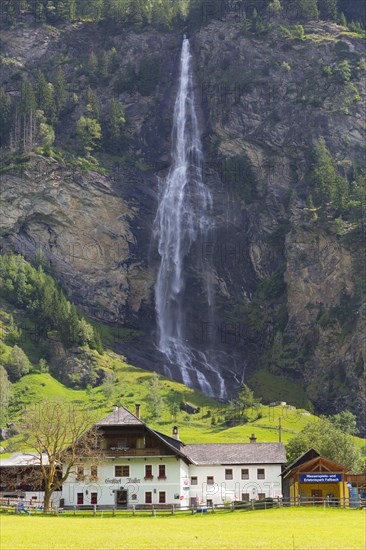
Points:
(287, 299)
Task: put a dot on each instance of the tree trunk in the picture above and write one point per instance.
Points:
(47, 500)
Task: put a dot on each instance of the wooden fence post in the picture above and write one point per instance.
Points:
(153, 511)
(74, 510)
(94, 509)
(172, 510)
(133, 509)
(113, 511)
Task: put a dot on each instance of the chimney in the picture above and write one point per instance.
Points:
(253, 439)
(175, 432)
(137, 410)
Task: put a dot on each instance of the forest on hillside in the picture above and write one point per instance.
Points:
(165, 13)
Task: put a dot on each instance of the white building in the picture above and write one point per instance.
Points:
(143, 467)
(18, 479)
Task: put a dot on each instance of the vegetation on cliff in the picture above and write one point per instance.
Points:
(282, 93)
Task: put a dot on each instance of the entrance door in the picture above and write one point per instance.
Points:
(122, 499)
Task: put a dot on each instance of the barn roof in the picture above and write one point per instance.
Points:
(120, 417)
(236, 453)
(23, 459)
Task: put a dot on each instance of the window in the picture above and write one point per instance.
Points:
(93, 498)
(162, 472)
(260, 473)
(94, 471)
(121, 471)
(194, 480)
(245, 497)
(261, 496)
(148, 497)
(162, 497)
(244, 473)
(80, 473)
(80, 498)
(209, 502)
(228, 473)
(148, 471)
(210, 480)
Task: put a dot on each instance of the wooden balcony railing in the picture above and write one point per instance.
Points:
(114, 451)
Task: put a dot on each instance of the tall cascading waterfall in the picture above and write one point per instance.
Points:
(182, 217)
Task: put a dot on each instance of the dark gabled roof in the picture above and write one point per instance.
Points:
(305, 457)
(120, 417)
(123, 417)
(236, 453)
(175, 442)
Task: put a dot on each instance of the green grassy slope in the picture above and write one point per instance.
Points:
(132, 385)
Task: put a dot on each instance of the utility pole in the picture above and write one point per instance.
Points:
(280, 429)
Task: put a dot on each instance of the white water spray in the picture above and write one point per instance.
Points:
(183, 215)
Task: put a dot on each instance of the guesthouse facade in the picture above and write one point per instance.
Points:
(143, 467)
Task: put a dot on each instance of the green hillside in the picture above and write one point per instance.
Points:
(46, 361)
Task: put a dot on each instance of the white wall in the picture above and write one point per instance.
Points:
(107, 482)
(177, 484)
(232, 489)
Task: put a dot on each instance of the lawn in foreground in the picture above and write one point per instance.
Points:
(293, 529)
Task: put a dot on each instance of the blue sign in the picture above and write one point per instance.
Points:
(320, 478)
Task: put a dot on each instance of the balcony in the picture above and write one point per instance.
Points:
(116, 452)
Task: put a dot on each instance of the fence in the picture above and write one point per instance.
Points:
(95, 510)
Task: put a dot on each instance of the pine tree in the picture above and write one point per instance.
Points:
(45, 97)
(328, 9)
(88, 131)
(6, 115)
(103, 66)
(343, 20)
(113, 60)
(331, 189)
(303, 9)
(25, 123)
(91, 104)
(5, 395)
(92, 65)
(60, 91)
(115, 127)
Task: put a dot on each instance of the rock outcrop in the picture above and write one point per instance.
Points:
(287, 287)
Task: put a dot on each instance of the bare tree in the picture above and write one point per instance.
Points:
(62, 436)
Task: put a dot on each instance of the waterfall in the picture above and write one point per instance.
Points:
(183, 215)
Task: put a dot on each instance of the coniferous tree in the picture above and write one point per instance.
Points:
(60, 91)
(89, 132)
(115, 127)
(342, 20)
(331, 189)
(5, 395)
(103, 65)
(6, 114)
(328, 9)
(45, 97)
(91, 104)
(92, 65)
(113, 60)
(25, 123)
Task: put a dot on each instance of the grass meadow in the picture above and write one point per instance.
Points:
(279, 529)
